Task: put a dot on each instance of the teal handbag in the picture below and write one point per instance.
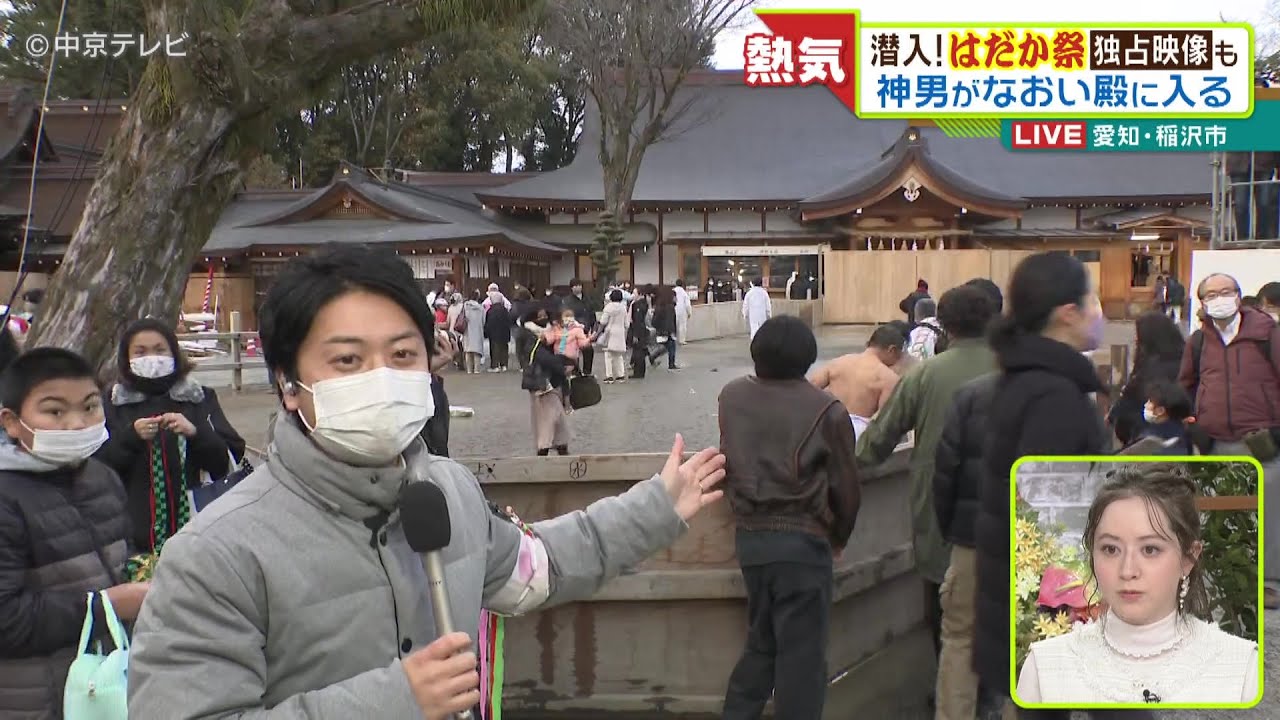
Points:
(98, 685)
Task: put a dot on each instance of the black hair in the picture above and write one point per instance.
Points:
(1251, 301)
(40, 365)
(34, 296)
(1170, 396)
(1040, 284)
(783, 348)
(1270, 293)
(925, 307)
(1156, 339)
(887, 336)
(575, 282)
(309, 283)
(151, 386)
(965, 311)
(992, 290)
(615, 296)
(921, 284)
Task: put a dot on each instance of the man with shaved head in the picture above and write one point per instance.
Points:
(1231, 367)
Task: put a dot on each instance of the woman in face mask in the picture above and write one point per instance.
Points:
(1041, 405)
(166, 429)
(303, 592)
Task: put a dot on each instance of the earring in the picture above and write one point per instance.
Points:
(290, 388)
(1184, 585)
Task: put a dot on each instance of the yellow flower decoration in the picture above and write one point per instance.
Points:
(1047, 627)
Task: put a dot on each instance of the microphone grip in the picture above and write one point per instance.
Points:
(440, 604)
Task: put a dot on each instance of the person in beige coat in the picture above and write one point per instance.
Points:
(613, 337)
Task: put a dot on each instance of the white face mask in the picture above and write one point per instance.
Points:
(67, 447)
(1149, 416)
(1221, 308)
(152, 367)
(370, 418)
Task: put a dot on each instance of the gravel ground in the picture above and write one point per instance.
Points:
(637, 416)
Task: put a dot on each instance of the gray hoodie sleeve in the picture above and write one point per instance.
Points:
(585, 548)
(198, 650)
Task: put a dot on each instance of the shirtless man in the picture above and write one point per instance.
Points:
(863, 381)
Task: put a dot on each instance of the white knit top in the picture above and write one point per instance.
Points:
(1174, 660)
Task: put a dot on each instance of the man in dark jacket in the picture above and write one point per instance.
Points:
(63, 527)
(792, 481)
(1231, 368)
(583, 313)
(908, 304)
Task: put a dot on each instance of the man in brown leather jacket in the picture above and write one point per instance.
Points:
(792, 483)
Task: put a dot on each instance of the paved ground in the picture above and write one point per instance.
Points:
(637, 416)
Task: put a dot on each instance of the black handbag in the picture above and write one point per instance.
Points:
(534, 377)
(208, 492)
(584, 391)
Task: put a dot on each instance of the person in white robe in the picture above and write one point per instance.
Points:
(756, 307)
(684, 311)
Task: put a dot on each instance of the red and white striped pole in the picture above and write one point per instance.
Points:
(208, 291)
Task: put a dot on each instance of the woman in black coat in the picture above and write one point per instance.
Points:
(1157, 355)
(498, 325)
(664, 326)
(1041, 405)
(166, 429)
(638, 333)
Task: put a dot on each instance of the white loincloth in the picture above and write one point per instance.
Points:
(859, 424)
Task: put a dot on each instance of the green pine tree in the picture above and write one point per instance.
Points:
(607, 249)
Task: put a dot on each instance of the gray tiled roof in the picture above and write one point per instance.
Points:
(794, 143)
(242, 224)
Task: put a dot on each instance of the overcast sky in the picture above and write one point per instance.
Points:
(729, 48)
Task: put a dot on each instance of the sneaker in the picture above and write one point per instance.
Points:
(608, 381)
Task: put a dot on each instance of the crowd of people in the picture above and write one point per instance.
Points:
(1012, 378)
(298, 591)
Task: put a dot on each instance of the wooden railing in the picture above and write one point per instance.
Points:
(225, 351)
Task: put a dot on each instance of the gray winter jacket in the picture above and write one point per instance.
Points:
(62, 534)
(279, 601)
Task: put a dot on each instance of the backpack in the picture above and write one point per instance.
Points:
(940, 341)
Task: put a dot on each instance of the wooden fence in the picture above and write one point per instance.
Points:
(224, 352)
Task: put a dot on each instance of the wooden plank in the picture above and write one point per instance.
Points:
(632, 467)
(1227, 502)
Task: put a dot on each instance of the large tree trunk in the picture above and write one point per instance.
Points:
(193, 125)
(161, 188)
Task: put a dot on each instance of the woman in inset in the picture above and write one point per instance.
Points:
(1155, 643)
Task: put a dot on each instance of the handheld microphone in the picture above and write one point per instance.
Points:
(424, 514)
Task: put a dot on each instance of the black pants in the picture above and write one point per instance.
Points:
(639, 360)
(499, 354)
(933, 614)
(789, 615)
(669, 347)
(588, 358)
